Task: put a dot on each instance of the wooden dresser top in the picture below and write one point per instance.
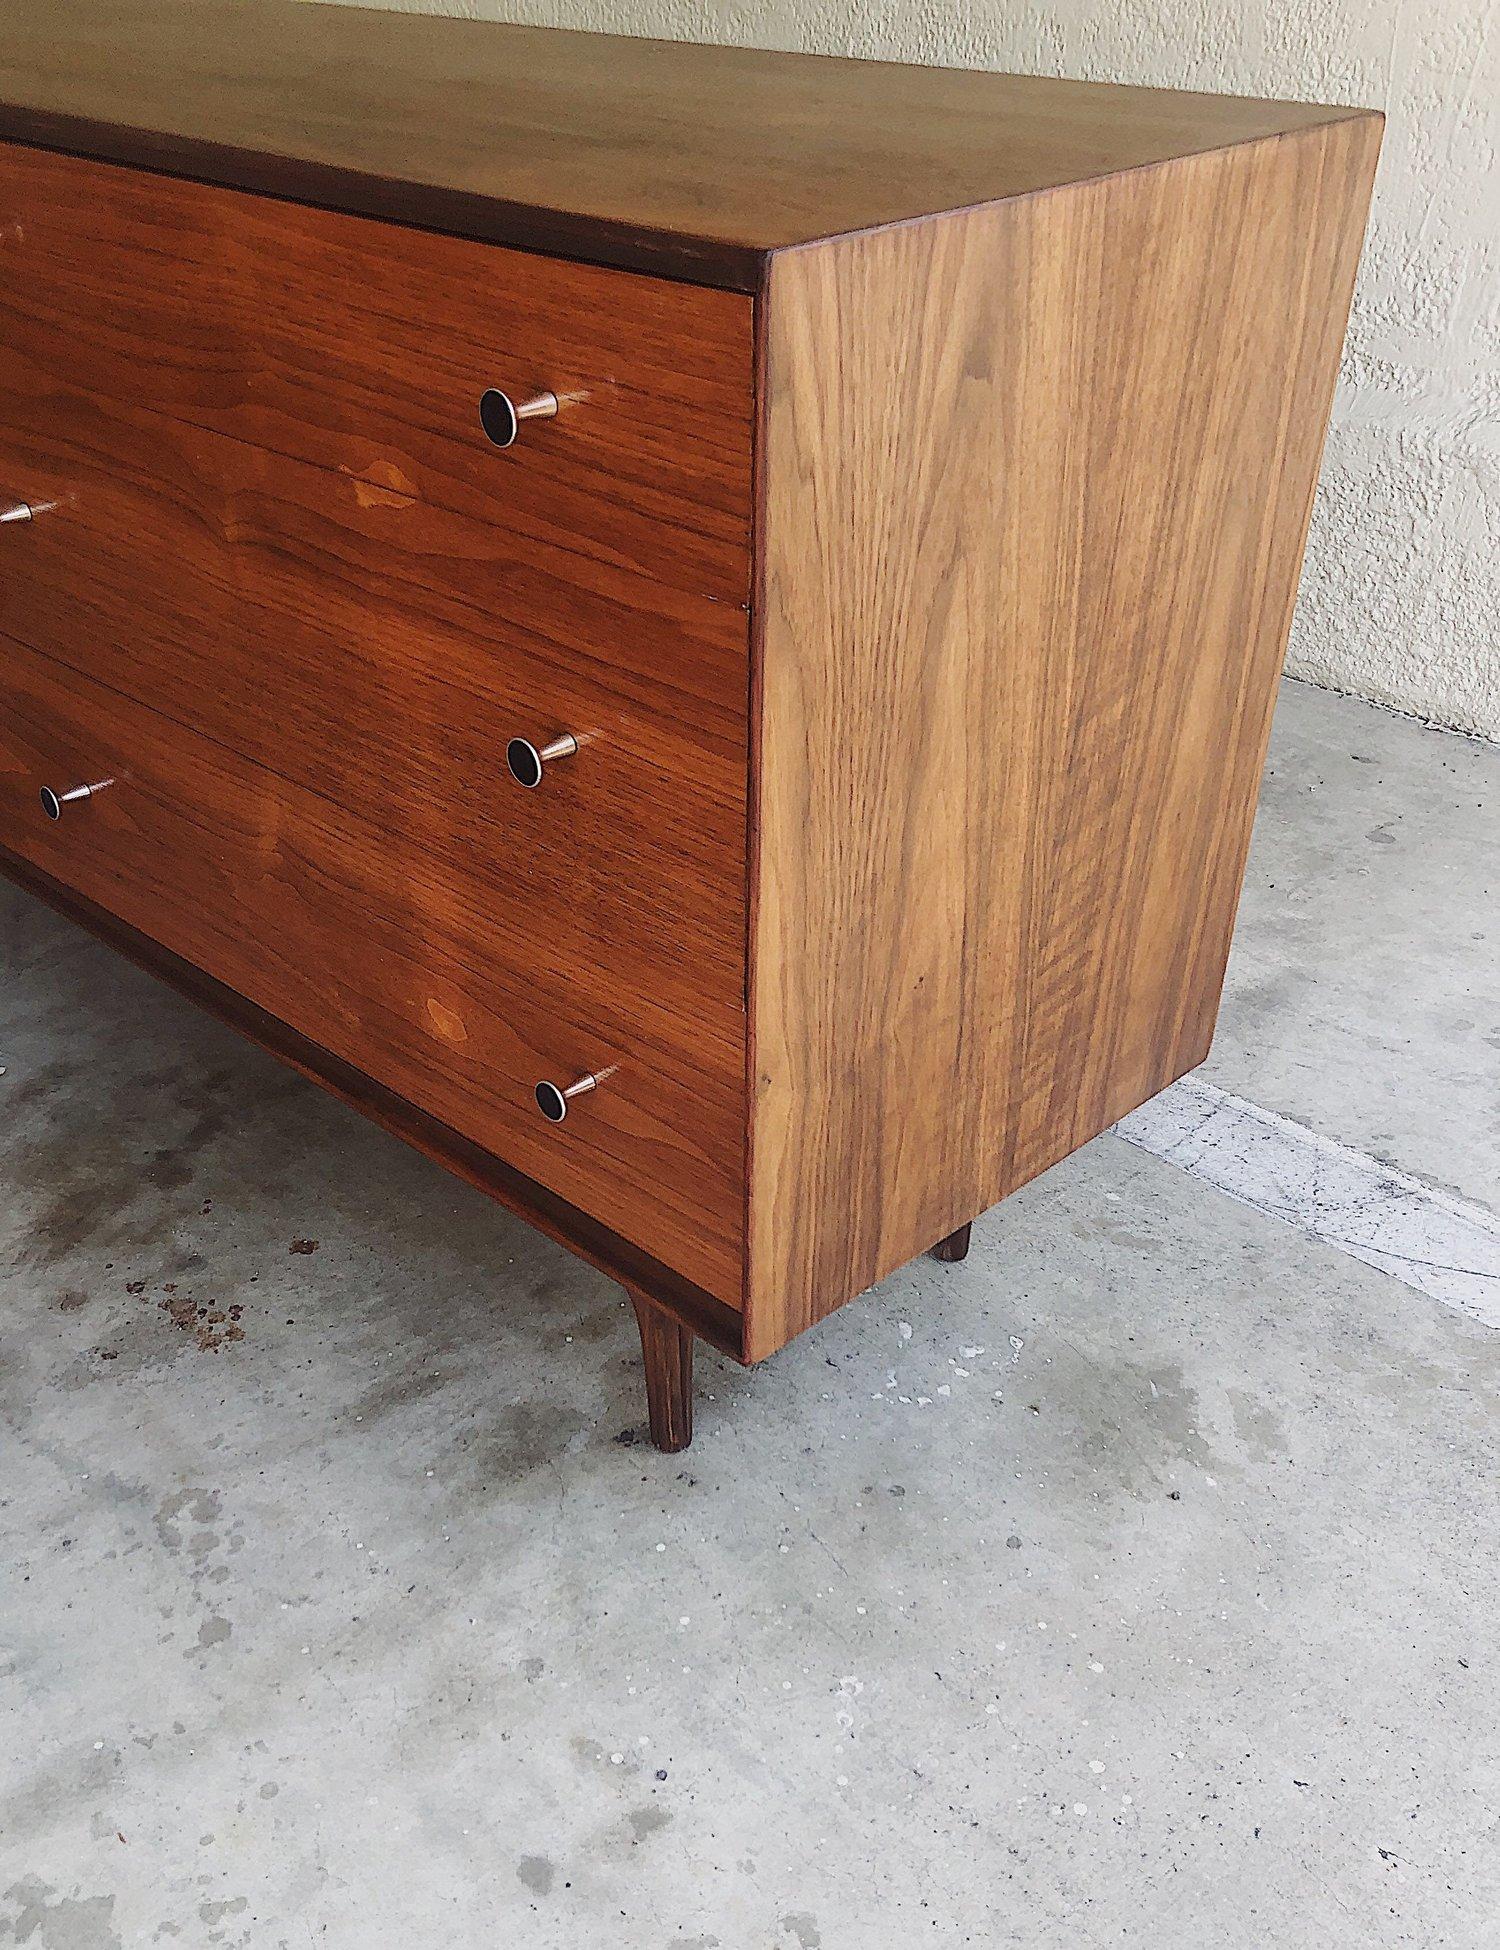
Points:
(694, 162)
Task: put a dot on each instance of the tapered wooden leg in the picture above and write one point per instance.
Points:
(955, 1247)
(668, 1349)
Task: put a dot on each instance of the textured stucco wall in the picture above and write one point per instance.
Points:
(1401, 594)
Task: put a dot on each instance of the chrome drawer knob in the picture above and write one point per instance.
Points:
(526, 762)
(501, 416)
(17, 511)
(53, 802)
(552, 1101)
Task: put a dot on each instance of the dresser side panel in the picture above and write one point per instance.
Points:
(1038, 480)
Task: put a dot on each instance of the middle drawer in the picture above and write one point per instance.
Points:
(365, 650)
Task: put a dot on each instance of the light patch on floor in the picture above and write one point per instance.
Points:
(1442, 1246)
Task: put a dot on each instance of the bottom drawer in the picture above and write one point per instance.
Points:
(381, 957)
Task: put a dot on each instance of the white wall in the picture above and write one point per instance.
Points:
(1401, 594)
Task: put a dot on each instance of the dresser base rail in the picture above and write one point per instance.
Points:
(670, 1309)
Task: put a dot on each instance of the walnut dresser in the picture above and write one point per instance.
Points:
(693, 631)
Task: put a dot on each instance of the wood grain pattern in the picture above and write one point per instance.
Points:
(365, 944)
(364, 348)
(1038, 479)
(579, 1231)
(695, 161)
(344, 644)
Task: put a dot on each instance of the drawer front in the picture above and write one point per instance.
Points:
(255, 600)
(364, 349)
(378, 948)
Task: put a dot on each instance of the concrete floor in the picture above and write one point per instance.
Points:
(1135, 1583)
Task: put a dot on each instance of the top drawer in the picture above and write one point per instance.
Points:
(365, 348)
